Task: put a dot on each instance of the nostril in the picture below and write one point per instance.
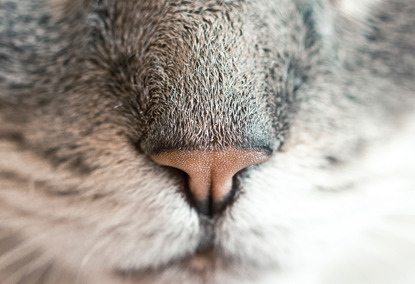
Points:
(178, 173)
(211, 175)
(209, 207)
(183, 177)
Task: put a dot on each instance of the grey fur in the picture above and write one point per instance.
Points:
(88, 89)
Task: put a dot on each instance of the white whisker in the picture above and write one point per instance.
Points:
(26, 270)
(94, 249)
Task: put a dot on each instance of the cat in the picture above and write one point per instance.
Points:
(207, 141)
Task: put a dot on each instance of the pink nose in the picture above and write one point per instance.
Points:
(210, 173)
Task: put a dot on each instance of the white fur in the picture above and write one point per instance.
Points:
(364, 234)
(356, 8)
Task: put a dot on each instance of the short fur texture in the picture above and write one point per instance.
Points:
(89, 88)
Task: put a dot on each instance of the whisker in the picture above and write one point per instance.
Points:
(94, 249)
(19, 251)
(28, 270)
(25, 263)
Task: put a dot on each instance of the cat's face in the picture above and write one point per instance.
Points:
(144, 77)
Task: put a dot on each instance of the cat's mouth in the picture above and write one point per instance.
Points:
(202, 263)
(204, 260)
